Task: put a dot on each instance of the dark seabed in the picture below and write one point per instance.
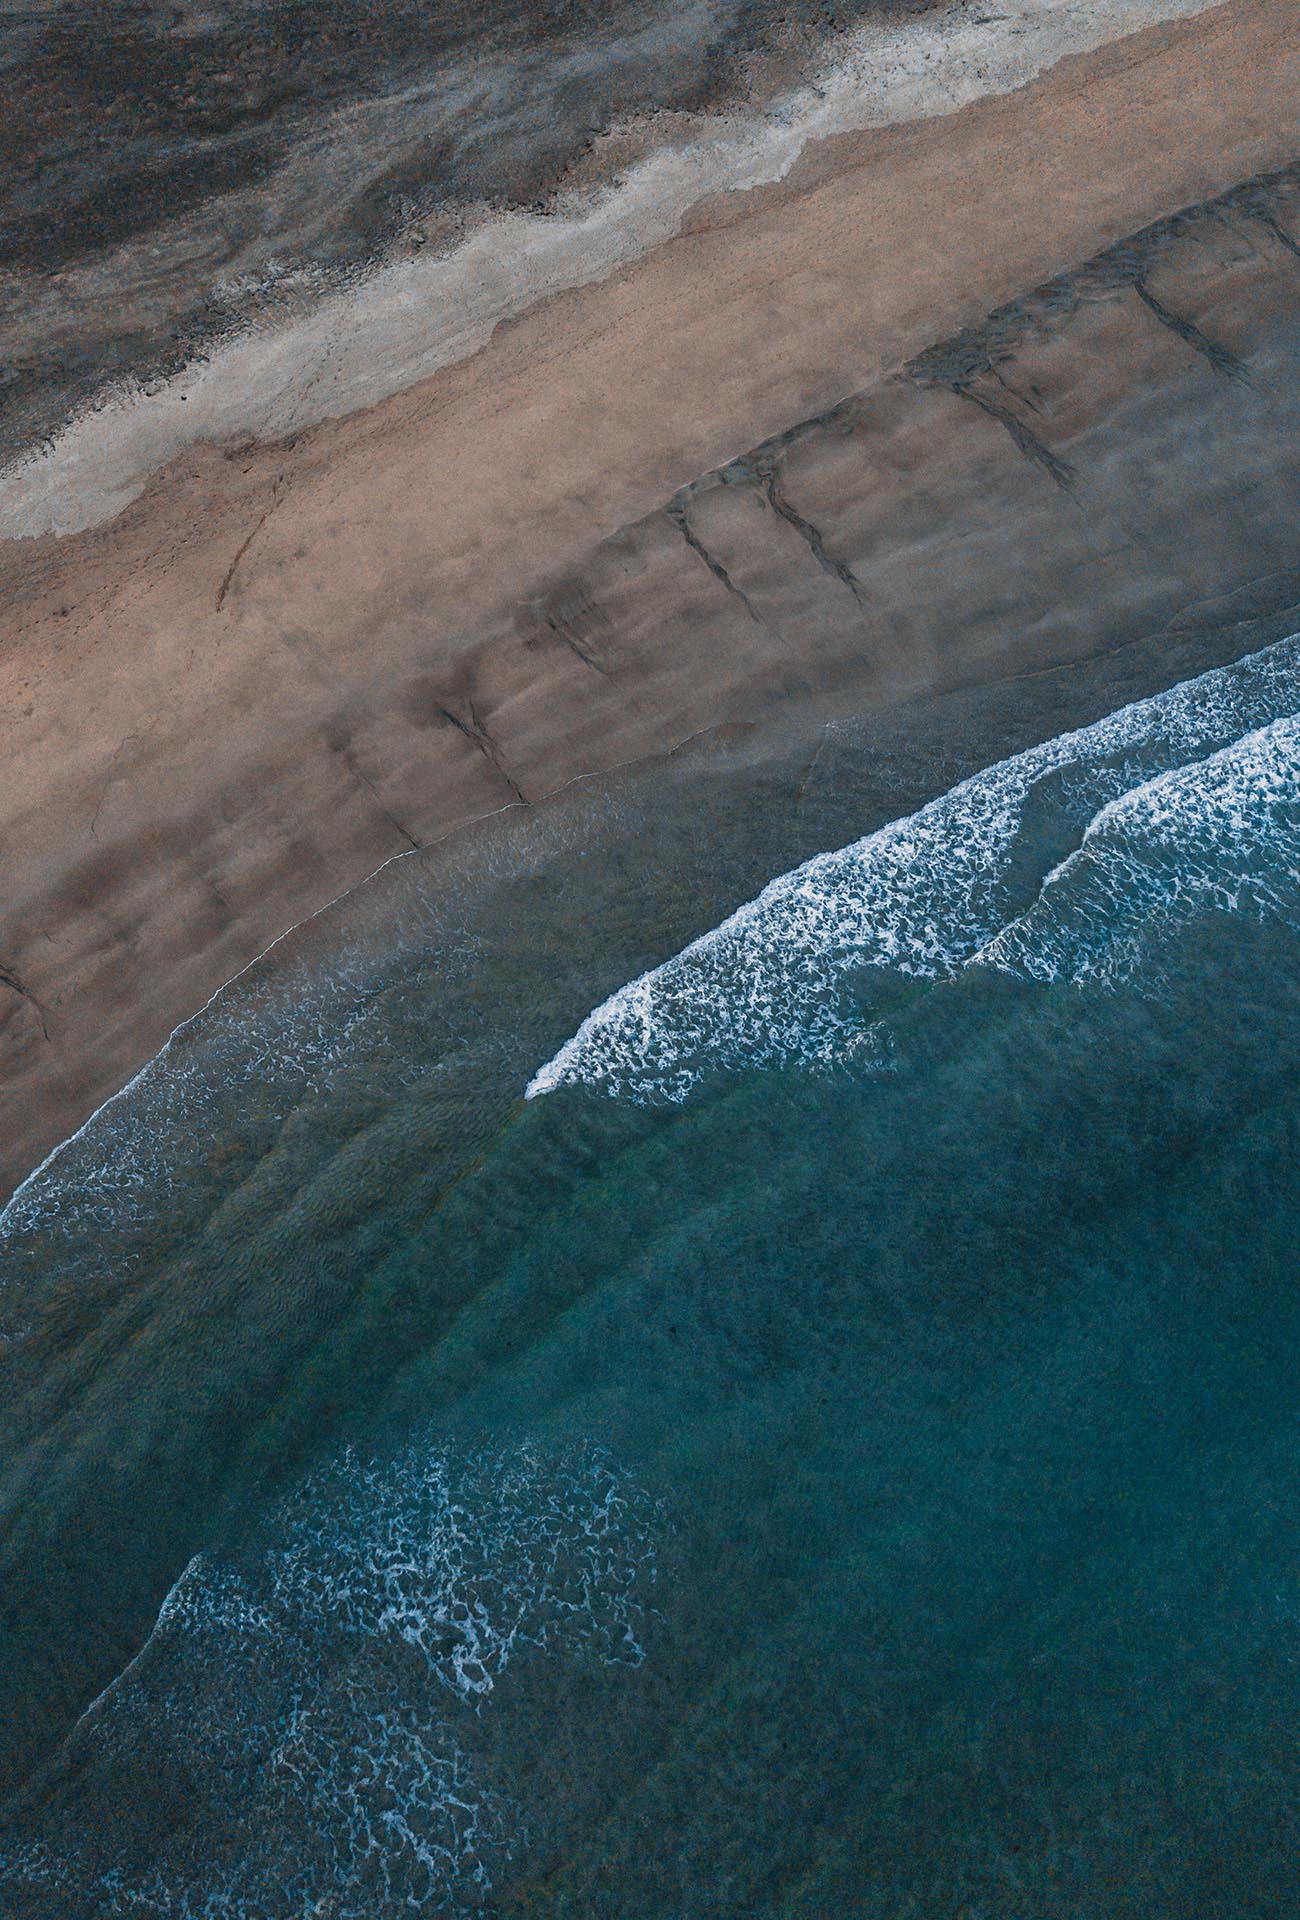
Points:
(832, 1452)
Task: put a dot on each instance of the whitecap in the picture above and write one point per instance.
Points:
(781, 980)
(1221, 835)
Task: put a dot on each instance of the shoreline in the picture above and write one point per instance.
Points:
(404, 321)
(966, 730)
(131, 1273)
(430, 647)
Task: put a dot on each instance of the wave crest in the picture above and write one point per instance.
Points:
(1202, 774)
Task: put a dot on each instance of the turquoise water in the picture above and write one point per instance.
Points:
(833, 1450)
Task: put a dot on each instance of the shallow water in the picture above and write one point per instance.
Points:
(831, 1452)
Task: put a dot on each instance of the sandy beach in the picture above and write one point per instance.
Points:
(649, 1008)
(769, 460)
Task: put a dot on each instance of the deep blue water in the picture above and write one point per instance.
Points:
(834, 1450)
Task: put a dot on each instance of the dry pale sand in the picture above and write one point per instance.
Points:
(282, 665)
(418, 312)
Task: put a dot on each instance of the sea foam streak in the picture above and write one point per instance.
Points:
(305, 1718)
(1222, 834)
(1166, 804)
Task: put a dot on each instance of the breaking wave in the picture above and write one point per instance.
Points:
(1060, 863)
(1217, 836)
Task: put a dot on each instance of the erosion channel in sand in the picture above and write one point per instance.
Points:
(936, 404)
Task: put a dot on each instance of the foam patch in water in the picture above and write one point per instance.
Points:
(302, 1723)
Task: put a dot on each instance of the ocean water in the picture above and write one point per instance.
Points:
(816, 1434)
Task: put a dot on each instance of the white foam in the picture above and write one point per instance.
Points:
(408, 319)
(923, 896)
(318, 1693)
(1220, 835)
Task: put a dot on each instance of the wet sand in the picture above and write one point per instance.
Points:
(764, 464)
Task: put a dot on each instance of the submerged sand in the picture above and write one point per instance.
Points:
(682, 494)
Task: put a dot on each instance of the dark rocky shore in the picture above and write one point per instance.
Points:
(170, 171)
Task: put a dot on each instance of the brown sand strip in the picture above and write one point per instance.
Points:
(284, 665)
